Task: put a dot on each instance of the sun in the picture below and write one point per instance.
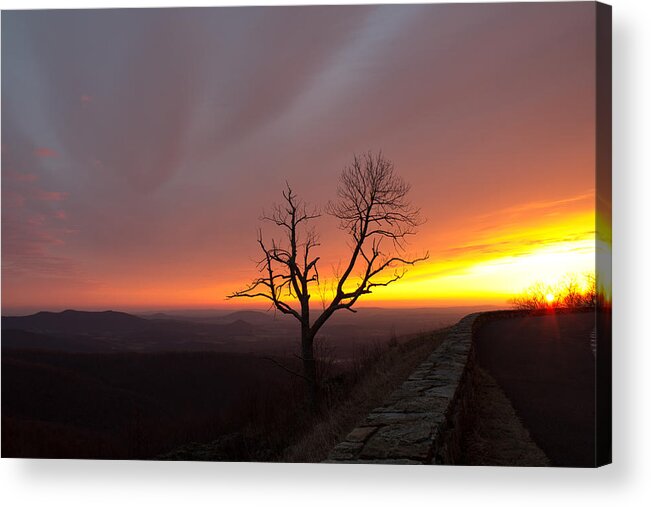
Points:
(549, 297)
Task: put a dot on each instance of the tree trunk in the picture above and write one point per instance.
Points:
(309, 368)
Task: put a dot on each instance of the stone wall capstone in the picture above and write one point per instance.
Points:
(422, 421)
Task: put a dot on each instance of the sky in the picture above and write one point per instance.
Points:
(141, 146)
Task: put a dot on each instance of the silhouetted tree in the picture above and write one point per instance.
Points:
(373, 209)
(533, 298)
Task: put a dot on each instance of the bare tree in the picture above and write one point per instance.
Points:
(373, 209)
(533, 298)
(590, 294)
(569, 293)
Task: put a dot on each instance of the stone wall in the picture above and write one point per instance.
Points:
(422, 421)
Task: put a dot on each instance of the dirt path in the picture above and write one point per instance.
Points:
(546, 368)
(498, 437)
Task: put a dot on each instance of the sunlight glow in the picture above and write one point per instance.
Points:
(526, 257)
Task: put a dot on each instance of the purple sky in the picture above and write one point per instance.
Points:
(139, 147)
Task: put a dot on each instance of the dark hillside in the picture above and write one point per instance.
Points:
(19, 339)
(128, 405)
(235, 407)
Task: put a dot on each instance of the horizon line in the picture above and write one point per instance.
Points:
(22, 312)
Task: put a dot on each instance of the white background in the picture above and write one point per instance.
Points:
(626, 482)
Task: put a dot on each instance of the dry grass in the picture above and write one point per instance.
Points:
(498, 437)
(382, 377)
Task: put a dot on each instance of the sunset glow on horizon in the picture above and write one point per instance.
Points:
(489, 270)
(134, 173)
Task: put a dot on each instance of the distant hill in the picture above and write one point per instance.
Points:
(76, 322)
(82, 331)
(258, 318)
(250, 316)
(161, 316)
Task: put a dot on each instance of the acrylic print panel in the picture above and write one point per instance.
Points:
(351, 234)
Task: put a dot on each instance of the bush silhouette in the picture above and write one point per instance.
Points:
(569, 293)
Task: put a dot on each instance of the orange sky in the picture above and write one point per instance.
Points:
(494, 256)
(138, 183)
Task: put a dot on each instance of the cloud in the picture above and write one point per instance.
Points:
(15, 176)
(29, 244)
(11, 199)
(541, 206)
(43, 195)
(515, 246)
(32, 231)
(45, 153)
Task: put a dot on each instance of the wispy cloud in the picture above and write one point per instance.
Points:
(43, 195)
(541, 206)
(15, 176)
(45, 153)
